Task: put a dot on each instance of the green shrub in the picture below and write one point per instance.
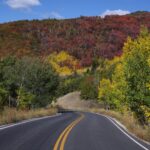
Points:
(88, 88)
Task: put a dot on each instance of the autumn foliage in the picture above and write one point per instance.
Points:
(63, 63)
(83, 38)
(128, 84)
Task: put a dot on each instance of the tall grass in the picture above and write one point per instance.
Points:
(11, 115)
(129, 121)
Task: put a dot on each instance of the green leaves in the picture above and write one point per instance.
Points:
(137, 73)
(129, 83)
(29, 81)
(88, 88)
(25, 99)
(3, 97)
(136, 67)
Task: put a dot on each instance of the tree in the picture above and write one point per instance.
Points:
(63, 63)
(112, 91)
(88, 88)
(25, 99)
(3, 97)
(6, 64)
(137, 72)
(38, 79)
(120, 85)
(108, 95)
(104, 94)
(69, 84)
(28, 78)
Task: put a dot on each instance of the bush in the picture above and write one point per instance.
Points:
(68, 85)
(3, 97)
(88, 88)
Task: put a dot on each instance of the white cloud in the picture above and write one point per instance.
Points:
(52, 15)
(17, 4)
(114, 12)
(56, 15)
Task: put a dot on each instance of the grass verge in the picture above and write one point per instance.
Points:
(129, 121)
(11, 115)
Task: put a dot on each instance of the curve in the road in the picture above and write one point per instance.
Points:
(71, 132)
(124, 132)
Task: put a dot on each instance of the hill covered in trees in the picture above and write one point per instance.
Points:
(89, 54)
(84, 37)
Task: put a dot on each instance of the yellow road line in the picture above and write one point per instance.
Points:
(67, 133)
(63, 136)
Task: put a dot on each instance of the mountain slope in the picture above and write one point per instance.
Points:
(84, 37)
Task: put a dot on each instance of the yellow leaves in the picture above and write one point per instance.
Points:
(148, 85)
(127, 45)
(112, 63)
(139, 45)
(148, 61)
(63, 56)
(110, 94)
(115, 60)
(64, 71)
(63, 63)
(146, 111)
(104, 89)
(82, 70)
(136, 56)
(129, 82)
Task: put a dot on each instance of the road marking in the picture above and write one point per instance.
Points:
(26, 121)
(60, 143)
(109, 118)
(61, 136)
(67, 133)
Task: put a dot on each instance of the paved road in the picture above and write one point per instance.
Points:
(69, 131)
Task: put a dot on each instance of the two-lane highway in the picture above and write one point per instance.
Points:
(68, 131)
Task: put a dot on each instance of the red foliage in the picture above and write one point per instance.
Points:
(84, 37)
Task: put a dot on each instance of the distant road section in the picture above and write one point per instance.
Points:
(68, 131)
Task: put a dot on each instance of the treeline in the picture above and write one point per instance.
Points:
(26, 83)
(30, 82)
(121, 84)
(124, 82)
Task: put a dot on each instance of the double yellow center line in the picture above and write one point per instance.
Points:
(60, 143)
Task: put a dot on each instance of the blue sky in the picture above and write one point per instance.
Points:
(11, 10)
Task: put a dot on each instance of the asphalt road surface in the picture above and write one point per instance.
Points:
(68, 131)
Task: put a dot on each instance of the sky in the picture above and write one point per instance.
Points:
(12, 10)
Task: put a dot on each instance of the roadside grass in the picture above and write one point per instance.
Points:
(11, 115)
(129, 121)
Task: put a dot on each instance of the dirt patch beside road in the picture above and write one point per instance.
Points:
(73, 101)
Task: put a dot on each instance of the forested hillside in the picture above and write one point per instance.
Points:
(83, 38)
(106, 59)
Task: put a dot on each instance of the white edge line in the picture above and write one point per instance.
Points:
(124, 132)
(125, 129)
(27, 121)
